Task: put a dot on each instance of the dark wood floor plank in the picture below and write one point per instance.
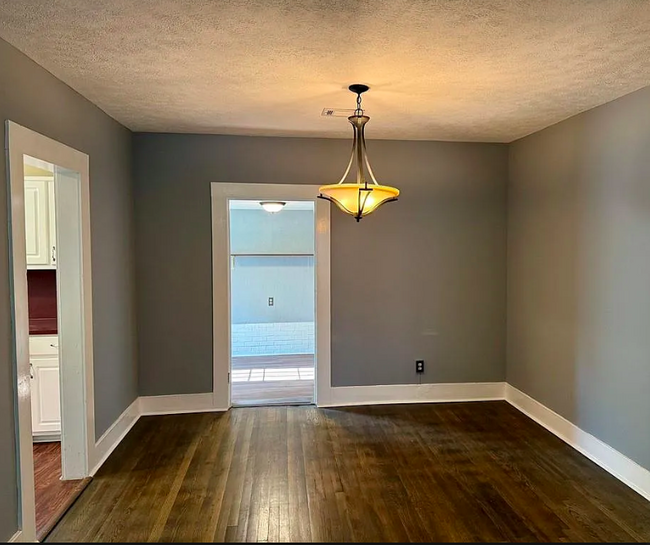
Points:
(196, 508)
(443, 472)
(248, 467)
(298, 506)
(236, 477)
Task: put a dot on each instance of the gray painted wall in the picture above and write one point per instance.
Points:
(288, 279)
(421, 278)
(579, 271)
(34, 98)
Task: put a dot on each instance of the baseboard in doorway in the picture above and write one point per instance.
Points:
(599, 452)
(51, 438)
(17, 537)
(415, 393)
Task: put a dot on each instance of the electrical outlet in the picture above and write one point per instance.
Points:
(419, 366)
(271, 301)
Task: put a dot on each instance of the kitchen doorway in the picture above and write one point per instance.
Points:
(51, 294)
(53, 494)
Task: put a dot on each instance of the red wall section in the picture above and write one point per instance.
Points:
(41, 287)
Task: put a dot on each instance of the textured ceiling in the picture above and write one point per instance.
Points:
(482, 70)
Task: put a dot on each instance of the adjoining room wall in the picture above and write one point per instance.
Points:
(422, 278)
(288, 278)
(579, 271)
(260, 232)
(31, 96)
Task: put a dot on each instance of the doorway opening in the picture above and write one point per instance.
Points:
(272, 302)
(53, 495)
(51, 293)
(221, 195)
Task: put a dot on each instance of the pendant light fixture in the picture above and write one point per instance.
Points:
(358, 198)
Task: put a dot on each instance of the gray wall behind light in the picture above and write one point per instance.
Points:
(32, 97)
(288, 279)
(422, 278)
(579, 271)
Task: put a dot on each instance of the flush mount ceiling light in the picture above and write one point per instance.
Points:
(272, 206)
(358, 198)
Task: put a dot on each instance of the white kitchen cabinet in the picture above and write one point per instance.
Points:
(40, 230)
(46, 397)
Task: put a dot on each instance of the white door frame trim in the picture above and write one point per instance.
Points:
(79, 443)
(221, 193)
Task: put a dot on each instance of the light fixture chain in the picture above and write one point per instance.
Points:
(359, 110)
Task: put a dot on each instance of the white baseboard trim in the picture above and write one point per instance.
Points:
(46, 438)
(611, 460)
(415, 393)
(113, 436)
(177, 404)
(17, 537)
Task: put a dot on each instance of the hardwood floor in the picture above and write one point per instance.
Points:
(272, 380)
(439, 472)
(53, 496)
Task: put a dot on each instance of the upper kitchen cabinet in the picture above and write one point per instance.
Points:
(40, 226)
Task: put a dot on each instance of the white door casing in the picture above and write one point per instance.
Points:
(74, 284)
(74, 320)
(51, 201)
(221, 194)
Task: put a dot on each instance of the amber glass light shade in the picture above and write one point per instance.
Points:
(359, 200)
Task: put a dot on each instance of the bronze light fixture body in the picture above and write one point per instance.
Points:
(359, 198)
